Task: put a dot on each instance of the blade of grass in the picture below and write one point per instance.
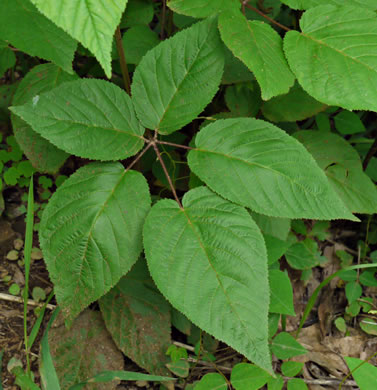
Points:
(107, 376)
(38, 322)
(314, 296)
(27, 257)
(49, 378)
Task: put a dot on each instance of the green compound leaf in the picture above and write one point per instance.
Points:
(90, 232)
(343, 168)
(210, 262)
(284, 346)
(294, 106)
(335, 56)
(260, 48)
(281, 293)
(138, 319)
(212, 381)
(246, 376)
(89, 118)
(91, 22)
(83, 350)
(306, 4)
(255, 164)
(18, 18)
(44, 156)
(202, 8)
(177, 79)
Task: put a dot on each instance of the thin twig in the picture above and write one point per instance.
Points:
(185, 346)
(122, 60)
(266, 17)
(138, 157)
(166, 173)
(173, 144)
(372, 151)
(30, 302)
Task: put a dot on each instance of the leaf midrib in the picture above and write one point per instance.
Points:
(192, 225)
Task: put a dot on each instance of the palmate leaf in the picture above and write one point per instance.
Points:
(335, 56)
(343, 169)
(91, 22)
(306, 4)
(257, 165)
(202, 8)
(18, 18)
(44, 156)
(89, 118)
(176, 80)
(138, 318)
(90, 232)
(210, 262)
(260, 48)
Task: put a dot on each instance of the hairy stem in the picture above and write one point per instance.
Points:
(173, 144)
(166, 173)
(245, 3)
(139, 156)
(122, 60)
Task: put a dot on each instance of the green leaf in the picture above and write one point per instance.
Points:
(89, 118)
(215, 241)
(281, 293)
(177, 79)
(212, 381)
(243, 99)
(275, 248)
(363, 372)
(343, 169)
(234, 70)
(276, 383)
(90, 232)
(291, 368)
(7, 60)
(296, 384)
(138, 319)
(347, 122)
(253, 163)
(304, 255)
(25, 28)
(44, 156)
(246, 376)
(284, 346)
(202, 8)
(294, 106)
(276, 227)
(306, 4)
(83, 350)
(137, 41)
(335, 39)
(260, 48)
(353, 291)
(137, 12)
(91, 22)
(369, 325)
